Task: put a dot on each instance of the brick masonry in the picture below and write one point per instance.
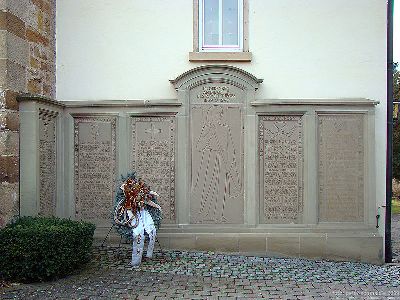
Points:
(27, 65)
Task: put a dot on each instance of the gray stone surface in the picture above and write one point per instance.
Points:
(10, 203)
(281, 167)
(210, 275)
(95, 166)
(153, 158)
(341, 167)
(217, 164)
(18, 50)
(47, 162)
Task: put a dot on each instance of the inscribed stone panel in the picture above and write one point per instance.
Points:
(95, 167)
(216, 93)
(281, 169)
(47, 163)
(153, 158)
(341, 168)
(216, 164)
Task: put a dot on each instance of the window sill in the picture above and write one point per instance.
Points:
(220, 56)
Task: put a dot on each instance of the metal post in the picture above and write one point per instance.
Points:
(389, 131)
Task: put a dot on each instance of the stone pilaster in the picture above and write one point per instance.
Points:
(27, 64)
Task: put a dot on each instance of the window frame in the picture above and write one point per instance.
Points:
(220, 47)
(243, 56)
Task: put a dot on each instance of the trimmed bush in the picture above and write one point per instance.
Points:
(38, 248)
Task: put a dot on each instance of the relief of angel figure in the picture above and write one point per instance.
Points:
(216, 176)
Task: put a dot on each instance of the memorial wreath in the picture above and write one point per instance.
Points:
(136, 212)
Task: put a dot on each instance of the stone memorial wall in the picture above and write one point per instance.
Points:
(47, 162)
(234, 173)
(153, 158)
(214, 93)
(341, 167)
(95, 167)
(281, 169)
(216, 155)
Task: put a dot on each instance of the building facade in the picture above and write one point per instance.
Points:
(261, 124)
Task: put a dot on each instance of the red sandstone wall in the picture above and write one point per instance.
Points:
(27, 64)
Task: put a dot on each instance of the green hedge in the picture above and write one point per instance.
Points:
(39, 248)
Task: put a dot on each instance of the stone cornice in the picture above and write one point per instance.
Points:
(120, 103)
(324, 102)
(97, 103)
(39, 99)
(215, 73)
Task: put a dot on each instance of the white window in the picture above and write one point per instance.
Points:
(220, 25)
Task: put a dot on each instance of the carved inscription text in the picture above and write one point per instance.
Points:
(95, 167)
(341, 168)
(153, 158)
(216, 94)
(281, 161)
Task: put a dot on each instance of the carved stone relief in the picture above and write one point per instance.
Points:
(216, 93)
(341, 168)
(281, 169)
(47, 163)
(216, 164)
(95, 167)
(153, 158)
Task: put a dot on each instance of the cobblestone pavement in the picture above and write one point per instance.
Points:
(209, 275)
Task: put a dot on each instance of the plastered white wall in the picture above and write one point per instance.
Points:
(129, 49)
(109, 49)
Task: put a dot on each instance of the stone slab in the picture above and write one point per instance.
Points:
(9, 143)
(3, 44)
(349, 247)
(216, 93)
(281, 169)
(216, 195)
(47, 163)
(312, 247)
(372, 250)
(3, 72)
(185, 242)
(165, 242)
(9, 97)
(341, 167)
(252, 243)
(153, 158)
(17, 50)
(217, 243)
(9, 171)
(23, 9)
(9, 120)
(286, 245)
(9, 202)
(365, 249)
(95, 167)
(16, 76)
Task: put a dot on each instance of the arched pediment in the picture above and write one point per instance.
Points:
(216, 74)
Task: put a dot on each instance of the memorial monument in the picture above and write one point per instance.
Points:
(260, 136)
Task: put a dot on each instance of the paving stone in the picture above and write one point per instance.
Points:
(211, 275)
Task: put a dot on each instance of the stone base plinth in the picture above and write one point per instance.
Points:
(339, 244)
